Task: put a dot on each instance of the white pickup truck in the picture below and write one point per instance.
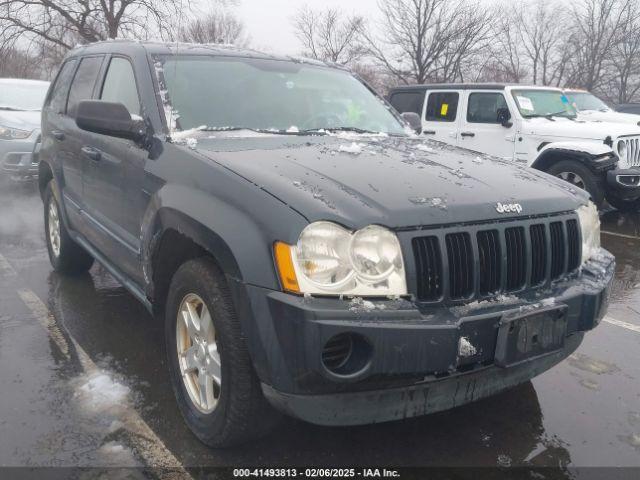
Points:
(533, 125)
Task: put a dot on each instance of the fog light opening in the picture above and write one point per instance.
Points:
(346, 354)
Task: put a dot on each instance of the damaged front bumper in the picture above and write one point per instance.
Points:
(410, 360)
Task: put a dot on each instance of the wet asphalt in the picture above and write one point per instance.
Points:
(83, 382)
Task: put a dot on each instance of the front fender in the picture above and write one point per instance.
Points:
(597, 156)
(240, 238)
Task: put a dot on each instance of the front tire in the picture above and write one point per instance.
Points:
(580, 176)
(66, 256)
(216, 387)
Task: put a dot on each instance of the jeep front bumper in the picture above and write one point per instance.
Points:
(414, 365)
(624, 184)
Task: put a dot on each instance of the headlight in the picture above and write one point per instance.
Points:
(7, 133)
(621, 149)
(590, 227)
(331, 260)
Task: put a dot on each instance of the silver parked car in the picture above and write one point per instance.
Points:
(20, 107)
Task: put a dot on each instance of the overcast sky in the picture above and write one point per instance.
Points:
(269, 21)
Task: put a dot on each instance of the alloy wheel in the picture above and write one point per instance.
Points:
(198, 355)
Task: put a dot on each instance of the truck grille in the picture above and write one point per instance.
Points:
(482, 261)
(633, 150)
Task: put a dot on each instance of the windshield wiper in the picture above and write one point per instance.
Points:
(340, 129)
(257, 130)
(549, 116)
(11, 109)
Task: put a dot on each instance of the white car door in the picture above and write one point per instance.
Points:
(481, 127)
(440, 116)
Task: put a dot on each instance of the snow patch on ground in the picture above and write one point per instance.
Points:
(424, 148)
(100, 392)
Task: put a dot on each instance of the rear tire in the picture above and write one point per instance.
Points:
(66, 255)
(625, 206)
(232, 410)
(580, 176)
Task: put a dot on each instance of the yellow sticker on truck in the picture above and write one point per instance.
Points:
(444, 109)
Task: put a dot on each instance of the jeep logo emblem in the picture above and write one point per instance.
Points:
(509, 208)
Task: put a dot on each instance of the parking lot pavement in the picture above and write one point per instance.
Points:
(84, 382)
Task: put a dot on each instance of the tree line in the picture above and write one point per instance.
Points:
(591, 44)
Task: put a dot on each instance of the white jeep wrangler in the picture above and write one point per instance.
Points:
(533, 125)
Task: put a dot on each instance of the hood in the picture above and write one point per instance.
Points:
(22, 120)
(580, 129)
(396, 182)
(610, 116)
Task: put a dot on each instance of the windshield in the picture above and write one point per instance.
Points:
(543, 103)
(586, 101)
(220, 93)
(22, 95)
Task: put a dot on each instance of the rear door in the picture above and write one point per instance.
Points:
(113, 176)
(480, 129)
(440, 117)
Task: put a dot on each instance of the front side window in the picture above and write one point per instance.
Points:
(219, 93)
(405, 102)
(58, 99)
(585, 101)
(83, 83)
(120, 85)
(442, 106)
(543, 103)
(485, 107)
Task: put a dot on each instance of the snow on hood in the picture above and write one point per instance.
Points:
(22, 120)
(610, 116)
(563, 128)
(397, 182)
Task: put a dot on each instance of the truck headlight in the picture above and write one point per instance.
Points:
(7, 133)
(590, 228)
(621, 149)
(331, 260)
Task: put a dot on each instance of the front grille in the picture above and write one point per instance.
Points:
(481, 263)
(633, 151)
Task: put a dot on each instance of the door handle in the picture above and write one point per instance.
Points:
(467, 134)
(92, 153)
(429, 132)
(58, 135)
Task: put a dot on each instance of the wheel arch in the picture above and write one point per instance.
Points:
(596, 161)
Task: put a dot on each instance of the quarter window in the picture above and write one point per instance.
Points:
(83, 83)
(58, 98)
(120, 85)
(442, 106)
(483, 107)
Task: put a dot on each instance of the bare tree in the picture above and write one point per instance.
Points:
(625, 60)
(330, 34)
(18, 63)
(220, 25)
(429, 39)
(597, 25)
(57, 21)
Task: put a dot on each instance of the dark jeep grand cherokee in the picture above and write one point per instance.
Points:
(307, 253)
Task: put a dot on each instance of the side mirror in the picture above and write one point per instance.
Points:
(414, 121)
(504, 117)
(108, 118)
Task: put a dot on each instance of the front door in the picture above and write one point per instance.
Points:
(440, 117)
(480, 127)
(112, 183)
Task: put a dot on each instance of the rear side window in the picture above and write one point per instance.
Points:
(442, 106)
(58, 98)
(120, 85)
(405, 102)
(483, 107)
(83, 83)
